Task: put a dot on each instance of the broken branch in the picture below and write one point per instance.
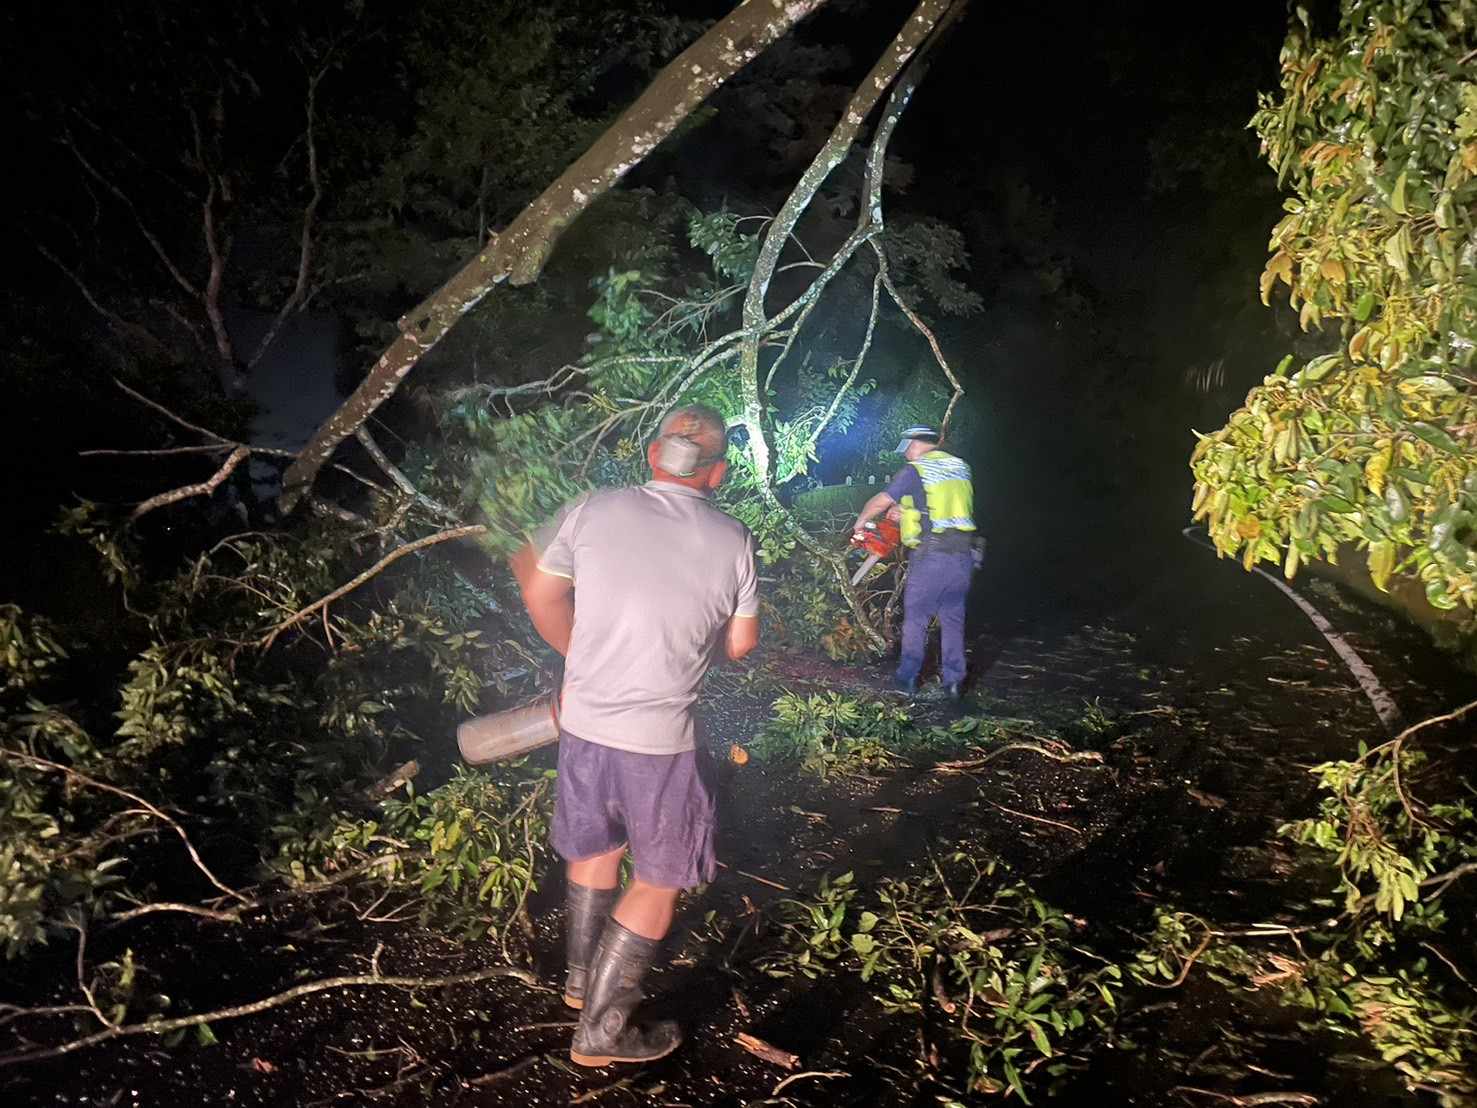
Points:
(768, 1051)
(163, 1027)
(395, 555)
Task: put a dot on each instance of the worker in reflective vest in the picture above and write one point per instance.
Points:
(934, 496)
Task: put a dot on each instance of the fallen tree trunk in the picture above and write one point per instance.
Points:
(518, 254)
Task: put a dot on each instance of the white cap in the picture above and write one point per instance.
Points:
(918, 431)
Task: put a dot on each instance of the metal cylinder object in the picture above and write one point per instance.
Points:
(509, 733)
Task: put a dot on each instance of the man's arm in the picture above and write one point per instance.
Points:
(524, 565)
(872, 509)
(741, 637)
(549, 599)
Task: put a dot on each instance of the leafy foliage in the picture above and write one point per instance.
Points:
(466, 853)
(1018, 993)
(195, 718)
(832, 733)
(1370, 827)
(1374, 971)
(1368, 444)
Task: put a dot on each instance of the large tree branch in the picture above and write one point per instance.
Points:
(202, 488)
(919, 27)
(518, 255)
(922, 29)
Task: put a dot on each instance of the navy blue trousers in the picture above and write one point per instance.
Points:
(938, 585)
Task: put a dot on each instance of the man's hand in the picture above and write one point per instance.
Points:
(870, 511)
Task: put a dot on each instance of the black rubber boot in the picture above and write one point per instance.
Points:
(606, 1033)
(588, 910)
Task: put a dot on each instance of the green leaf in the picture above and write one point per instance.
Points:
(204, 1035)
(1364, 306)
(1397, 195)
(1428, 383)
(1437, 437)
(1013, 1076)
(1038, 1036)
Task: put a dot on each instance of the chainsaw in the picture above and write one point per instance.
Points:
(878, 540)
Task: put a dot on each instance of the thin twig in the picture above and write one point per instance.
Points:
(92, 782)
(298, 297)
(16, 1012)
(82, 986)
(756, 877)
(808, 1073)
(167, 414)
(596, 1094)
(1037, 819)
(923, 329)
(163, 1027)
(232, 915)
(1078, 757)
(504, 1073)
(402, 482)
(1189, 962)
(1250, 1100)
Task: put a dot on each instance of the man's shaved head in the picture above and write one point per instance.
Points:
(699, 423)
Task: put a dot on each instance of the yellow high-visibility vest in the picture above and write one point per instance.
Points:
(948, 488)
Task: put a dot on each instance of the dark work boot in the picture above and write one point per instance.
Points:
(606, 1032)
(588, 909)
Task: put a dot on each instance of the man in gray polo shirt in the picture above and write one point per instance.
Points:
(638, 588)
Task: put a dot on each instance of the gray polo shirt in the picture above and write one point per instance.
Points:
(658, 572)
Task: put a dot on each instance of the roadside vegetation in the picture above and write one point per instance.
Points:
(248, 736)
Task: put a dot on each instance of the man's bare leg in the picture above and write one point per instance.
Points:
(603, 871)
(632, 940)
(646, 909)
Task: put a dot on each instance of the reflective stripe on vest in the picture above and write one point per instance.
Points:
(949, 490)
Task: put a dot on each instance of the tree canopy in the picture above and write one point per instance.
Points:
(1369, 444)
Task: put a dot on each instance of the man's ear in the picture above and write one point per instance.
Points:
(651, 452)
(716, 474)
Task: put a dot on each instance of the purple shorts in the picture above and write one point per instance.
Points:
(656, 804)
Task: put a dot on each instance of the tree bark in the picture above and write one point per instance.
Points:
(518, 254)
(910, 44)
(866, 98)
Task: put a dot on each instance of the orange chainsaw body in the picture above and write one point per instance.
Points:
(879, 538)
